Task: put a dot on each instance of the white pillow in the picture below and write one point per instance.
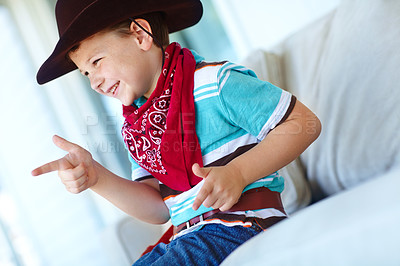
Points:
(346, 69)
(297, 192)
(266, 65)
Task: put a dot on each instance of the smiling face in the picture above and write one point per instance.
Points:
(124, 67)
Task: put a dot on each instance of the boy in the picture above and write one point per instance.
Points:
(206, 139)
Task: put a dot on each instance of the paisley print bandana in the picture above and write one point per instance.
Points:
(160, 135)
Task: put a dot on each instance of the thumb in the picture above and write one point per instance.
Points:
(200, 171)
(64, 144)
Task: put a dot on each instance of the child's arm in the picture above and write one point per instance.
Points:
(223, 185)
(78, 172)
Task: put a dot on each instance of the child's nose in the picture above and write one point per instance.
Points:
(95, 83)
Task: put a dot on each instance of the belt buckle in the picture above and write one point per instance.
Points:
(201, 218)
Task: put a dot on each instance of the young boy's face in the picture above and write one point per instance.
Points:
(117, 66)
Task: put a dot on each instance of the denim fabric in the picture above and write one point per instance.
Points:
(207, 246)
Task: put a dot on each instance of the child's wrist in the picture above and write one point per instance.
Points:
(98, 178)
(237, 172)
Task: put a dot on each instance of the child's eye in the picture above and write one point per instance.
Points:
(96, 61)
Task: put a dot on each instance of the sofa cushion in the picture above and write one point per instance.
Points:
(267, 65)
(349, 228)
(345, 68)
(297, 192)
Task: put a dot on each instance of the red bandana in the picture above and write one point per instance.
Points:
(160, 135)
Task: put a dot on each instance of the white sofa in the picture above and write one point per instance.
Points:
(343, 193)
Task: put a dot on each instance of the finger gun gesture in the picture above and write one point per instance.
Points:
(76, 169)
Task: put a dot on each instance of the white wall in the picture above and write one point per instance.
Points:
(255, 24)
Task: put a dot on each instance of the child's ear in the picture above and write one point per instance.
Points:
(143, 38)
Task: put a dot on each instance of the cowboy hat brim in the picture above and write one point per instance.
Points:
(179, 15)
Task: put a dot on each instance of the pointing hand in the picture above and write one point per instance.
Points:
(76, 169)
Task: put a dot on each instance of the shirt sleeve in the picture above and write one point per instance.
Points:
(250, 103)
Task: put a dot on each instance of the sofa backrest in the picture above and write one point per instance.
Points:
(349, 74)
(346, 68)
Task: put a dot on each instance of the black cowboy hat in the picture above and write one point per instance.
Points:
(80, 19)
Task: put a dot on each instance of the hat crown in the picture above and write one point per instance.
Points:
(79, 19)
(68, 10)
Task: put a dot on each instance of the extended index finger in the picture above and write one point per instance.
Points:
(47, 168)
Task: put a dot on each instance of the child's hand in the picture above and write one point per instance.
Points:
(76, 169)
(222, 187)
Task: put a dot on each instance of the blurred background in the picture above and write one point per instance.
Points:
(40, 222)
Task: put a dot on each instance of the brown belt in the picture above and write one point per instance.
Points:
(253, 199)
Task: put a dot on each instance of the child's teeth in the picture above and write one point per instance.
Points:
(114, 88)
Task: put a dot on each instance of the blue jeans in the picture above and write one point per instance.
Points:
(208, 246)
